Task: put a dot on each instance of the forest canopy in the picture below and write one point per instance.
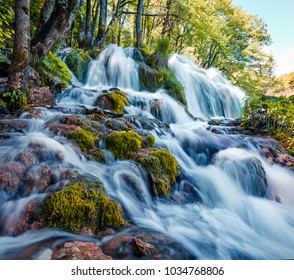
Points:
(214, 33)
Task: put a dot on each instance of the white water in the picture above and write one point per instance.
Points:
(229, 222)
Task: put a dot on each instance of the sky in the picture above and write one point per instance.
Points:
(279, 17)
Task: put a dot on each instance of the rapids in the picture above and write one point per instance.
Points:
(232, 216)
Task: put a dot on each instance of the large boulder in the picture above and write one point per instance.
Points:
(40, 96)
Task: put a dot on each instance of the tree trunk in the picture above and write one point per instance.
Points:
(81, 26)
(95, 23)
(18, 76)
(166, 19)
(139, 36)
(56, 25)
(102, 20)
(88, 24)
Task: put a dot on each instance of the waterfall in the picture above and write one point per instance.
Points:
(222, 207)
(208, 94)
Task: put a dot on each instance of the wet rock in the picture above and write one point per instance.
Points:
(39, 178)
(85, 231)
(186, 193)
(13, 125)
(135, 243)
(40, 96)
(107, 232)
(78, 250)
(63, 129)
(143, 248)
(27, 158)
(11, 176)
(114, 101)
(30, 218)
(119, 124)
(276, 155)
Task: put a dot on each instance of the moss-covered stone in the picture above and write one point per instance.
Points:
(150, 140)
(162, 168)
(123, 143)
(85, 139)
(78, 64)
(82, 204)
(115, 101)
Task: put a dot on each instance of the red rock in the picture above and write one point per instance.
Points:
(143, 248)
(40, 96)
(11, 176)
(78, 250)
(28, 159)
(64, 129)
(39, 179)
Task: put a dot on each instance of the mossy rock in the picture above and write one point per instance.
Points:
(123, 143)
(115, 101)
(78, 64)
(162, 168)
(94, 52)
(150, 141)
(119, 124)
(85, 139)
(82, 204)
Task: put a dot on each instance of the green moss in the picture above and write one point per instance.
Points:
(168, 163)
(150, 139)
(117, 100)
(94, 52)
(78, 64)
(82, 204)
(84, 139)
(123, 143)
(162, 168)
(167, 79)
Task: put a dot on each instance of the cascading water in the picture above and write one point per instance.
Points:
(229, 211)
(208, 94)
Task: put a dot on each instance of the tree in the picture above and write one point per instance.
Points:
(139, 35)
(102, 21)
(18, 69)
(54, 22)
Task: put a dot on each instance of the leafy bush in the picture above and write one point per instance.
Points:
(14, 101)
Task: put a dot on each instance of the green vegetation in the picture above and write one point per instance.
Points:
(85, 139)
(52, 67)
(283, 85)
(161, 166)
(78, 64)
(123, 143)
(82, 204)
(14, 101)
(272, 116)
(117, 100)
(150, 139)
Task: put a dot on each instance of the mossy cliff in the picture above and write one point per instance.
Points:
(82, 204)
(78, 64)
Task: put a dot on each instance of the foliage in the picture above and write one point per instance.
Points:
(167, 79)
(78, 64)
(117, 99)
(85, 139)
(273, 115)
(14, 100)
(82, 204)
(123, 143)
(6, 24)
(52, 66)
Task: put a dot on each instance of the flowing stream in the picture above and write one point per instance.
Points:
(235, 215)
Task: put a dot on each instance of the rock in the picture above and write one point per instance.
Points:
(138, 244)
(114, 101)
(27, 158)
(107, 232)
(143, 248)
(40, 96)
(8, 125)
(78, 250)
(11, 176)
(30, 219)
(63, 129)
(33, 77)
(85, 231)
(39, 178)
